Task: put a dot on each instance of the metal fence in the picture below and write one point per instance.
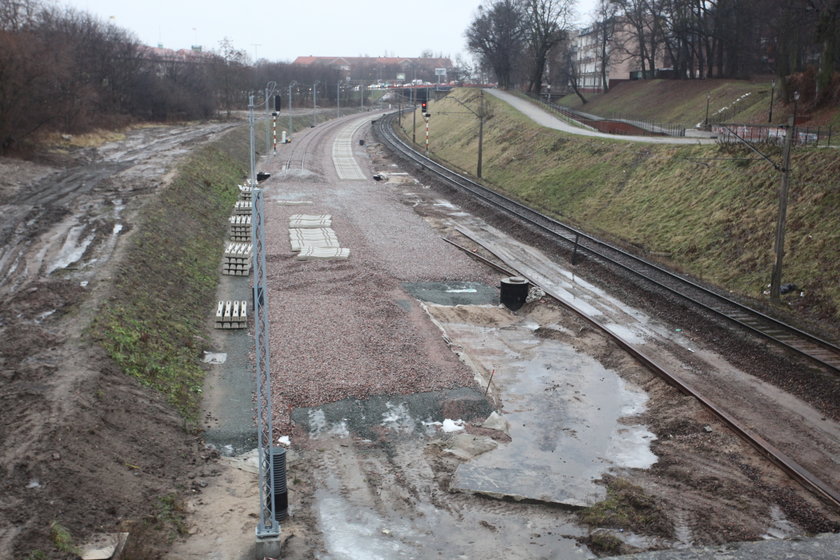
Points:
(773, 134)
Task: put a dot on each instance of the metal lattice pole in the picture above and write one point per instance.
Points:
(268, 526)
(252, 179)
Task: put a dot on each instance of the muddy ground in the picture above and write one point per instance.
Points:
(82, 445)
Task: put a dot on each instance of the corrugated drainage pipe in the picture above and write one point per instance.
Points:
(281, 494)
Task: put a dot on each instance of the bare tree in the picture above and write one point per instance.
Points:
(606, 15)
(545, 25)
(496, 35)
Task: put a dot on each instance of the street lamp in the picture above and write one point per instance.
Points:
(314, 100)
(706, 121)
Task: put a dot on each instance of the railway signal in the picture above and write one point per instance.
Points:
(424, 108)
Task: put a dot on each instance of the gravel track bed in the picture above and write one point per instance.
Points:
(347, 328)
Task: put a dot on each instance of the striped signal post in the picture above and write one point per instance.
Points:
(427, 134)
(274, 129)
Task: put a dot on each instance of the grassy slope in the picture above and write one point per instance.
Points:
(712, 209)
(154, 324)
(683, 102)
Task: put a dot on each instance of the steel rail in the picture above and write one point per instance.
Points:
(797, 472)
(792, 338)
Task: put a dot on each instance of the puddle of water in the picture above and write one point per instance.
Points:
(355, 529)
(626, 333)
(72, 249)
(454, 293)
(563, 408)
(782, 527)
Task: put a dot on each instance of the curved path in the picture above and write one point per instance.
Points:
(546, 119)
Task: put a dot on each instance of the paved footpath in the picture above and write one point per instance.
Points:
(544, 118)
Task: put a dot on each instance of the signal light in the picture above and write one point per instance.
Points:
(423, 107)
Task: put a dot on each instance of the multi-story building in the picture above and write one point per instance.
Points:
(621, 61)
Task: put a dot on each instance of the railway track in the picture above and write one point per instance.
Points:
(786, 336)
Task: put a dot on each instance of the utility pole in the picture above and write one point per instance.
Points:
(252, 144)
(338, 100)
(772, 95)
(314, 100)
(480, 134)
(481, 114)
(776, 278)
(294, 83)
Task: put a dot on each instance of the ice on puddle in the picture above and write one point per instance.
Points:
(284, 440)
(453, 425)
(398, 418)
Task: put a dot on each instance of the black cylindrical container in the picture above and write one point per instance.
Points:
(514, 291)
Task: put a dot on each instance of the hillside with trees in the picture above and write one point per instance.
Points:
(63, 70)
(531, 44)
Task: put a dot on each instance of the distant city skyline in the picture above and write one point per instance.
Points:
(282, 31)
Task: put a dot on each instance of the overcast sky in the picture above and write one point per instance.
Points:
(285, 29)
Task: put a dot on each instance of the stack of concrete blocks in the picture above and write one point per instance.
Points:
(312, 237)
(232, 315)
(237, 259)
(240, 228)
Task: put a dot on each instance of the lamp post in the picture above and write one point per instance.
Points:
(314, 100)
(706, 121)
(270, 88)
(338, 99)
(294, 83)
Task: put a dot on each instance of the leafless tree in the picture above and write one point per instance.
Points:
(497, 36)
(545, 26)
(606, 15)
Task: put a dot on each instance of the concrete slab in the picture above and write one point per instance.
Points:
(346, 166)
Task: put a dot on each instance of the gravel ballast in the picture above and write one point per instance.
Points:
(347, 328)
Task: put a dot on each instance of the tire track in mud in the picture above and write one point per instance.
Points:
(72, 213)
